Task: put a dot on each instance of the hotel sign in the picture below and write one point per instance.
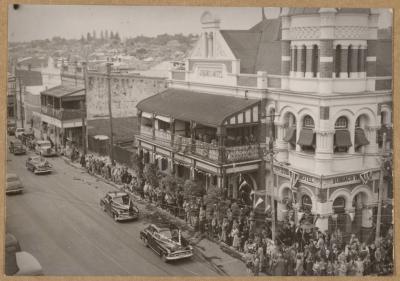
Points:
(363, 178)
(295, 176)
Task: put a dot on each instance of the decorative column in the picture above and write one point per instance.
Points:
(372, 148)
(309, 59)
(324, 142)
(344, 60)
(210, 44)
(354, 62)
(325, 66)
(299, 126)
(362, 56)
(205, 44)
(281, 145)
(299, 72)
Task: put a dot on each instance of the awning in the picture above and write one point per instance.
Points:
(359, 138)
(291, 135)
(206, 109)
(306, 138)
(342, 138)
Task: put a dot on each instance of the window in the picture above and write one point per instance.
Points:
(306, 203)
(341, 123)
(359, 58)
(338, 54)
(308, 122)
(314, 65)
(295, 58)
(358, 122)
(339, 205)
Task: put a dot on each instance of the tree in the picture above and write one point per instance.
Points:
(170, 183)
(150, 174)
(192, 189)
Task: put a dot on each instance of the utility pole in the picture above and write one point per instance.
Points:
(110, 111)
(20, 98)
(380, 191)
(272, 188)
(83, 109)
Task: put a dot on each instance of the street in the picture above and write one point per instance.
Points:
(59, 221)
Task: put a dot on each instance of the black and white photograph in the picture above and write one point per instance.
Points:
(199, 141)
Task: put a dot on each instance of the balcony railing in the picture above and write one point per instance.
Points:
(62, 114)
(205, 150)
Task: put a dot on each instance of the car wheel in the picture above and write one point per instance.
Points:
(164, 258)
(146, 243)
(115, 217)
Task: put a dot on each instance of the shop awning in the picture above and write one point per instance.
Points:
(291, 135)
(359, 138)
(306, 138)
(206, 109)
(342, 138)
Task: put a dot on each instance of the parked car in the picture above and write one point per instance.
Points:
(38, 165)
(167, 243)
(14, 184)
(11, 130)
(119, 205)
(19, 132)
(16, 147)
(43, 147)
(18, 262)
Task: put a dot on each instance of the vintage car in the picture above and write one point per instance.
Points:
(18, 262)
(38, 165)
(14, 185)
(43, 147)
(18, 132)
(16, 147)
(166, 242)
(119, 206)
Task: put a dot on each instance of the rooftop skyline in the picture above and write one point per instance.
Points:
(73, 21)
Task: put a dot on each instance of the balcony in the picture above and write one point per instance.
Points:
(62, 114)
(207, 151)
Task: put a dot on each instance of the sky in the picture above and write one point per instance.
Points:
(32, 22)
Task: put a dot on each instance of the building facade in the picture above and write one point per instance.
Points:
(317, 79)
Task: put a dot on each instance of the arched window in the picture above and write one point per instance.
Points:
(342, 139)
(341, 123)
(314, 65)
(339, 205)
(306, 203)
(290, 123)
(349, 59)
(307, 135)
(303, 59)
(308, 122)
(338, 54)
(295, 58)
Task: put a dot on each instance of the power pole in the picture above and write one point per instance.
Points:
(380, 191)
(83, 110)
(110, 112)
(20, 100)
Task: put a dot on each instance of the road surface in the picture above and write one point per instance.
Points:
(59, 221)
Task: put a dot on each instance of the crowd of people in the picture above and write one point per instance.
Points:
(295, 250)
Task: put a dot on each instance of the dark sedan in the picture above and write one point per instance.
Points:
(38, 165)
(119, 206)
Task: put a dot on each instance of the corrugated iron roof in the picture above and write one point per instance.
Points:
(206, 109)
(29, 77)
(64, 90)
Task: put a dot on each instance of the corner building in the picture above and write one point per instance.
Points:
(317, 74)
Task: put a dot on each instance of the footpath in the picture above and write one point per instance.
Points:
(224, 259)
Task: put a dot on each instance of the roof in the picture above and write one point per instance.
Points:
(64, 90)
(256, 48)
(29, 77)
(207, 109)
(124, 128)
(303, 11)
